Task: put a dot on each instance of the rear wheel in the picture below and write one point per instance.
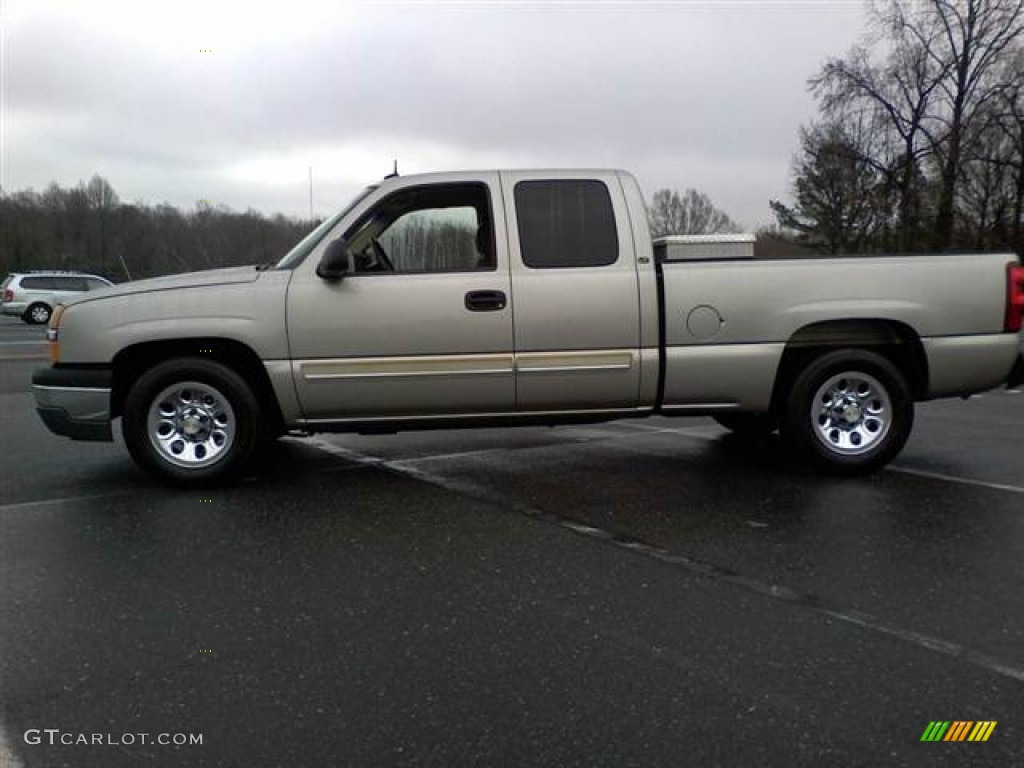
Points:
(849, 412)
(748, 424)
(37, 314)
(192, 421)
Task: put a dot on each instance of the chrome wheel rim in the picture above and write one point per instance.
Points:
(191, 424)
(851, 413)
(40, 314)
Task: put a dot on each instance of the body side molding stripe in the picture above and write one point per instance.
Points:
(590, 361)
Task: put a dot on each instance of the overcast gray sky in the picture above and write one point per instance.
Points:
(232, 102)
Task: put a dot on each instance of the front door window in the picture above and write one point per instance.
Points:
(437, 228)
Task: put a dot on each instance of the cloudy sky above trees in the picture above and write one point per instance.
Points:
(232, 102)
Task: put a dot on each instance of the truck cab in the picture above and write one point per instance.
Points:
(488, 295)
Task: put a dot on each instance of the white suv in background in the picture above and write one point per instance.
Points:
(33, 295)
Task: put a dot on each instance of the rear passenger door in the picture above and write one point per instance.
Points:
(575, 292)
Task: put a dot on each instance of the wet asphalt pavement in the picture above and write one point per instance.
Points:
(642, 593)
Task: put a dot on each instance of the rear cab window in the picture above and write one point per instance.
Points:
(566, 223)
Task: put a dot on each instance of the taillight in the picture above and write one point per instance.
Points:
(1014, 298)
(8, 295)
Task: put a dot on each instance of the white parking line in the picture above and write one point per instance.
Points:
(40, 343)
(712, 433)
(955, 479)
(65, 500)
(701, 568)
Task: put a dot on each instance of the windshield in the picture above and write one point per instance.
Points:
(295, 256)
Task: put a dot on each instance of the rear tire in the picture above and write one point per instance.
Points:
(748, 425)
(192, 422)
(849, 412)
(37, 314)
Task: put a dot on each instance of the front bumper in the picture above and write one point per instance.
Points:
(74, 402)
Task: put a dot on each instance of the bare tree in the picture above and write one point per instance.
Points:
(986, 199)
(937, 85)
(899, 93)
(1008, 122)
(837, 192)
(691, 213)
(975, 37)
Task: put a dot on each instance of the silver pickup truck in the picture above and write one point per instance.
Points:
(524, 297)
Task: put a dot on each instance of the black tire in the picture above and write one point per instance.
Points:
(849, 412)
(37, 314)
(186, 403)
(748, 425)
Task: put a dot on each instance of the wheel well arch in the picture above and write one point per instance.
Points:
(896, 341)
(132, 361)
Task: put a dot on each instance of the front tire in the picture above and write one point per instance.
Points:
(192, 421)
(849, 412)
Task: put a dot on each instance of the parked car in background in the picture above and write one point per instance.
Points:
(33, 295)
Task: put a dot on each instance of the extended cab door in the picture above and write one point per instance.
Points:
(575, 285)
(422, 325)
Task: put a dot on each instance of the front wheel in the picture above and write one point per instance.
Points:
(192, 421)
(849, 412)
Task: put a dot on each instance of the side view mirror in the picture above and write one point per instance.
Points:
(334, 264)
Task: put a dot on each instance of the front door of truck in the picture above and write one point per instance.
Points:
(422, 324)
(575, 283)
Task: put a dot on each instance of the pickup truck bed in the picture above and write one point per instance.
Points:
(770, 305)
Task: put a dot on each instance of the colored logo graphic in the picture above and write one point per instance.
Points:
(958, 730)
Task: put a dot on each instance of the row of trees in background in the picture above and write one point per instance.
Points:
(920, 141)
(87, 228)
(689, 213)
